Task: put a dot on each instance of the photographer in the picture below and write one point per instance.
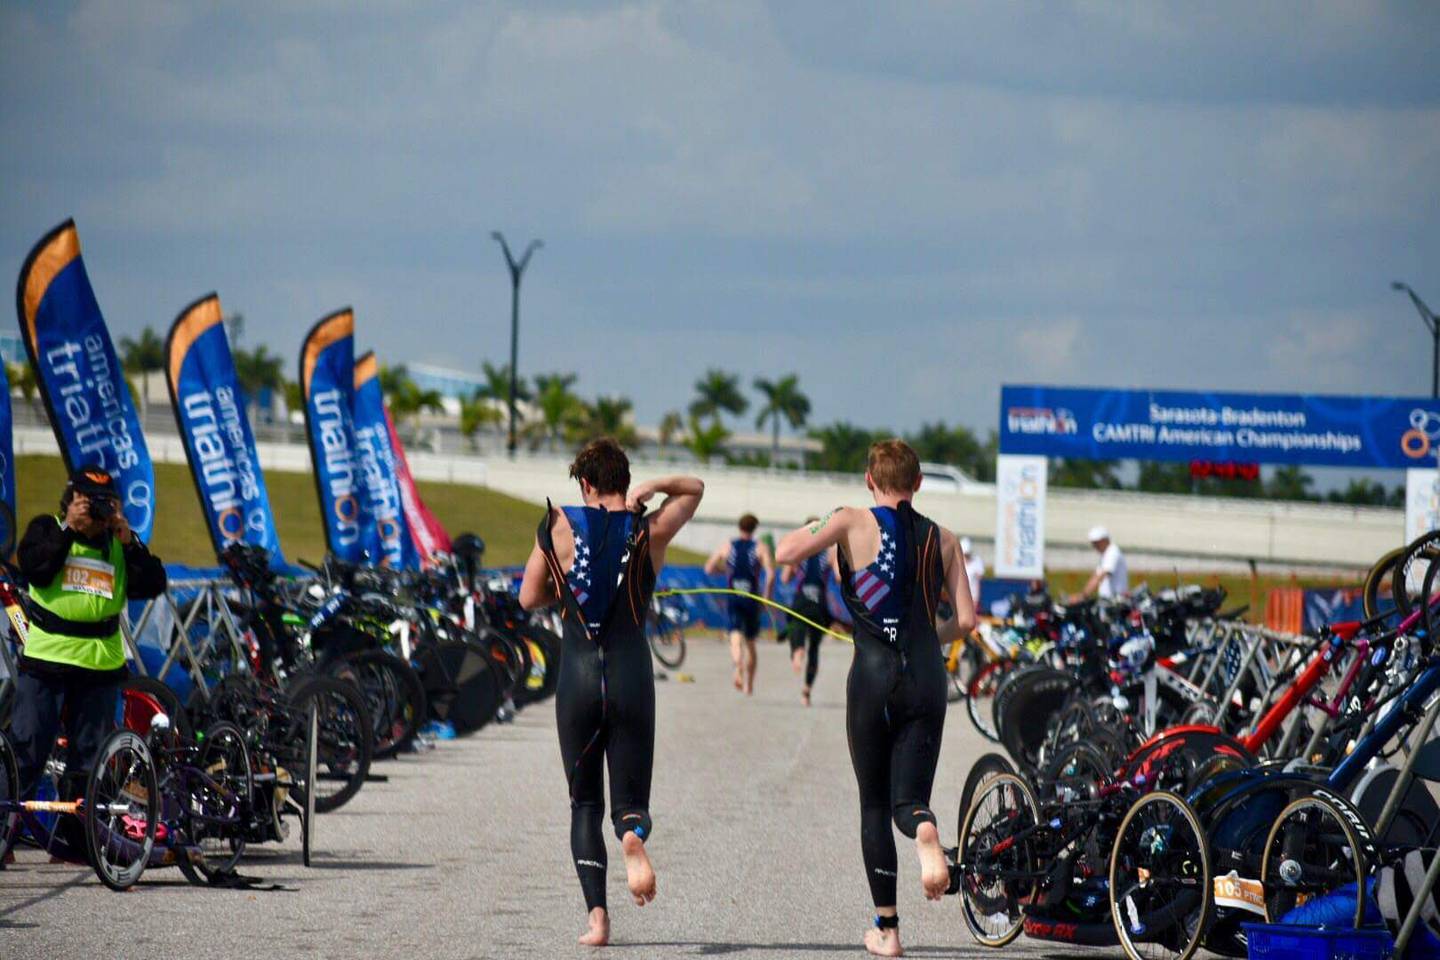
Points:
(82, 566)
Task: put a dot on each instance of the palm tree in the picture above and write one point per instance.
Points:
(560, 409)
(706, 442)
(783, 399)
(497, 383)
(670, 426)
(476, 413)
(715, 393)
(843, 446)
(404, 396)
(143, 356)
(22, 378)
(258, 370)
(610, 417)
(1290, 483)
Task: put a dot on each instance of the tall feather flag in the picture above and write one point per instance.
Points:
(327, 383)
(79, 375)
(387, 537)
(210, 412)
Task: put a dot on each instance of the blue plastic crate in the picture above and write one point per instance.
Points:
(1283, 941)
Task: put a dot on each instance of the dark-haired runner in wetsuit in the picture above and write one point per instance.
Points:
(599, 561)
(811, 602)
(893, 566)
(749, 568)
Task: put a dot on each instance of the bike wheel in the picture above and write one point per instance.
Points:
(343, 750)
(9, 793)
(1076, 772)
(1377, 580)
(218, 805)
(122, 809)
(998, 867)
(143, 697)
(980, 697)
(667, 639)
(1314, 848)
(1160, 879)
(394, 696)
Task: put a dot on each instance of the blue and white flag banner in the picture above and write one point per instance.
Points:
(327, 382)
(386, 537)
(210, 412)
(79, 375)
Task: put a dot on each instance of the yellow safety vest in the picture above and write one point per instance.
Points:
(77, 622)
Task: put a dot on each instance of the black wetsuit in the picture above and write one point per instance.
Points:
(895, 695)
(605, 698)
(810, 603)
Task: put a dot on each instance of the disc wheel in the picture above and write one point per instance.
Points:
(997, 863)
(1160, 879)
(122, 809)
(1313, 849)
(218, 805)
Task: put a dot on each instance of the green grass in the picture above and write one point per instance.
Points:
(506, 524)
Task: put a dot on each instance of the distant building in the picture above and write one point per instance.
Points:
(454, 386)
(12, 348)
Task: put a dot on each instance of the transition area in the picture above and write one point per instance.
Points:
(464, 852)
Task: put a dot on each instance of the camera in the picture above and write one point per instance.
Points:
(102, 509)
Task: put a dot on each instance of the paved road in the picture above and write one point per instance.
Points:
(465, 854)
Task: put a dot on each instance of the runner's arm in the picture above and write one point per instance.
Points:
(537, 589)
(716, 561)
(682, 498)
(767, 563)
(957, 583)
(810, 539)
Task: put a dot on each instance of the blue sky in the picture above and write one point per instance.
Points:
(906, 204)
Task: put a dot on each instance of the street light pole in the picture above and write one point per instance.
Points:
(1432, 323)
(517, 270)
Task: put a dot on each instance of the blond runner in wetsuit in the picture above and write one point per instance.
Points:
(893, 565)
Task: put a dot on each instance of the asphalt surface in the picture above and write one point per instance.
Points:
(464, 853)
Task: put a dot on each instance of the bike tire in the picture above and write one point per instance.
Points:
(225, 741)
(393, 693)
(346, 732)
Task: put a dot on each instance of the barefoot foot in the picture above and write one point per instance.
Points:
(797, 662)
(599, 933)
(639, 874)
(934, 871)
(739, 684)
(883, 943)
(805, 696)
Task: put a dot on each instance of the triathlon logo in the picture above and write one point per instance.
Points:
(1423, 435)
(1042, 420)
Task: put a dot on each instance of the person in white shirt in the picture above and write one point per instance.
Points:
(1112, 576)
(974, 569)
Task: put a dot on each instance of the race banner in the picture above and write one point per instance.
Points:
(1020, 516)
(425, 529)
(1313, 430)
(210, 412)
(386, 537)
(7, 448)
(79, 375)
(327, 383)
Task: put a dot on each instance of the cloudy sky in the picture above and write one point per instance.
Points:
(908, 204)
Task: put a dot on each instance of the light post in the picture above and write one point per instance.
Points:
(517, 270)
(1432, 323)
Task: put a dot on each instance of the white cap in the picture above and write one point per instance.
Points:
(1097, 534)
(965, 545)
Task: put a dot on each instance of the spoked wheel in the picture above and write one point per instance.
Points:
(1314, 849)
(9, 794)
(1160, 896)
(345, 732)
(667, 639)
(122, 810)
(1077, 771)
(998, 866)
(980, 698)
(218, 805)
(394, 696)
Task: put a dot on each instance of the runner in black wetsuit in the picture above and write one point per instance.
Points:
(893, 565)
(811, 603)
(748, 568)
(599, 562)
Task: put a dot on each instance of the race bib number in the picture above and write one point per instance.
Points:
(742, 585)
(1240, 893)
(811, 592)
(84, 575)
